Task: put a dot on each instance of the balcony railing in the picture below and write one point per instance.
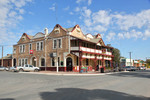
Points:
(90, 50)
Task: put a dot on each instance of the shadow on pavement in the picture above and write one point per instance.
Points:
(84, 94)
(7, 99)
(140, 73)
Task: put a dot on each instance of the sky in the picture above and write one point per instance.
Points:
(125, 24)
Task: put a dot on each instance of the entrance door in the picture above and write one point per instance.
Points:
(14, 64)
(69, 64)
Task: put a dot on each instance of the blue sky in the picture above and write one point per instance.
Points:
(125, 24)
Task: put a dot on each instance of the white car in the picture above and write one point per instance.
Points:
(3, 68)
(27, 67)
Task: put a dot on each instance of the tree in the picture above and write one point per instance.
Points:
(116, 54)
(147, 62)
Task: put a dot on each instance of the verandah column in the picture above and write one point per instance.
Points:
(80, 56)
(95, 62)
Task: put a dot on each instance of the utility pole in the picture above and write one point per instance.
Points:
(130, 57)
(2, 57)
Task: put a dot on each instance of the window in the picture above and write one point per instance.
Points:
(53, 62)
(22, 62)
(22, 48)
(14, 50)
(30, 47)
(87, 62)
(59, 43)
(55, 44)
(19, 62)
(42, 62)
(58, 61)
(77, 61)
(26, 61)
(30, 66)
(26, 65)
(39, 46)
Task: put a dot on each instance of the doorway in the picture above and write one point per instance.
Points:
(69, 64)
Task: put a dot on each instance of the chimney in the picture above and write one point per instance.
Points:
(46, 32)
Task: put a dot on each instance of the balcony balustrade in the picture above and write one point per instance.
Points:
(90, 50)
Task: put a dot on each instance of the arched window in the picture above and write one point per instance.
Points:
(42, 62)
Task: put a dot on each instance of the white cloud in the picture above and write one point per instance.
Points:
(110, 36)
(71, 13)
(120, 36)
(101, 17)
(86, 12)
(89, 2)
(53, 7)
(128, 26)
(67, 8)
(11, 12)
(146, 34)
(77, 9)
(100, 28)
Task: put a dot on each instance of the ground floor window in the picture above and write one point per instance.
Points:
(53, 62)
(87, 61)
(58, 61)
(77, 61)
(42, 62)
(23, 61)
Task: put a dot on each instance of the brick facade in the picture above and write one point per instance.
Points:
(65, 39)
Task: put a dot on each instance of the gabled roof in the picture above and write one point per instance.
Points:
(28, 36)
(38, 35)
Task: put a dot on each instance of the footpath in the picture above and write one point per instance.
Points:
(71, 73)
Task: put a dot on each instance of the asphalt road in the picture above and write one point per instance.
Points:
(120, 86)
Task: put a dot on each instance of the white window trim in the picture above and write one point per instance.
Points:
(54, 61)
(58, 42)
(21, 46)
(14, 50)
(29, 47)
(53, 43)
(40, 45)
(21, 61)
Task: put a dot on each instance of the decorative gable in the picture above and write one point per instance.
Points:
(38, 35)
(24, 38)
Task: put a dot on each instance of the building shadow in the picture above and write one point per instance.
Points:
(84, 94)
(140, 73)
(6, 99)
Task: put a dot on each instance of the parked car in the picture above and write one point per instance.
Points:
(142, 68)
(128, 68)
(27, 67)
(3, 68)
(12, 69)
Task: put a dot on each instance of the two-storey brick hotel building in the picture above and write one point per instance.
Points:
(67, 48)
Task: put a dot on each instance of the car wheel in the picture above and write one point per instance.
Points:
(36, 70)
(20, 70)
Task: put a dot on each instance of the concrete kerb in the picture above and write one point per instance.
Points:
(72, 74)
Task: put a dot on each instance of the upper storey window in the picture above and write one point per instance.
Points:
(57, 30)
(39, 46)
(57, 43)
(22, 48)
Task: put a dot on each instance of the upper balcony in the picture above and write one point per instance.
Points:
(90, 50)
